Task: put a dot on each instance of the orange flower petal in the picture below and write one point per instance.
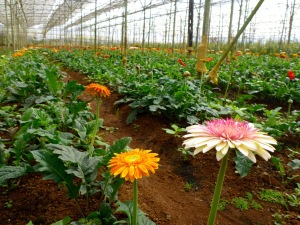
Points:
(133, 164)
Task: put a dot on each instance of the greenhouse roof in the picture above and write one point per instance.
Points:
(30, 11)
(46, 13)
(47, 18)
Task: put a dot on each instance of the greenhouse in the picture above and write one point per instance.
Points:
(144, 112)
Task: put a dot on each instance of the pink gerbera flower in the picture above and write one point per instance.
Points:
(223, 134)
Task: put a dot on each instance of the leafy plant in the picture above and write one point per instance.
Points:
(222, 204)
(279, 218)
(8, 204)
(295, 164)
(175, 130)
(10, 172)
(126, 207)
(185, 152)
(244, 203)
(294, 199)
(188, 186)
(270, 195)
(279, 166)
(240, 203)
(253, 204)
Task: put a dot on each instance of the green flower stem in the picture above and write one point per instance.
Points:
(135, 202)
(289, 109)
(228, 83)
(201, 82)
(79, 208)
(218, 190)
(290, 102)
(91, 148)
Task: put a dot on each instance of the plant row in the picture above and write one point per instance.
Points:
(47, 129)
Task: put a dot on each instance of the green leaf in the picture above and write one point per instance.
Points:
(132, 116)
(67, 154)
(54, 85)
(72, 88)
(77, 107)
(106, 214)
(278, 165)
(143, 219)
(27, 114)
(64, 221)
(10, 172)
(118, 147)
(112, 185)
(53, 168)
(20, 84)
(79, 126)
(127, 208)
(242, 164)
(86, 168)
(169, 131)
(295, 164)
(153, 108)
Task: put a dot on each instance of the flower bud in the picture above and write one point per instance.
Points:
(186, 74)
(290, 101)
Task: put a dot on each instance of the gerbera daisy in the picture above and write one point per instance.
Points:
(291, 74)
(97, 90)
(223, 134)
(18, 54)
(181, 62)
(133, 164)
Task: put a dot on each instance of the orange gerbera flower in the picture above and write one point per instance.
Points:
(181, 62)
(133, 164)
(18, 54)
(97, 90)
(23, 50)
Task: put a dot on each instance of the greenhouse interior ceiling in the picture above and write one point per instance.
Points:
(59, 22)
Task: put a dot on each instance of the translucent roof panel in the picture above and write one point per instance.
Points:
(45, 13)
(64, 12)
(153, 17)
(31, 12)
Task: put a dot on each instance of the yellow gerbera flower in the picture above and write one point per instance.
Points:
(133, 164)
(97, 90)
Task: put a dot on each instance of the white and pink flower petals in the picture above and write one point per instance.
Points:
(225, 149)
(220, 155)
(221, 145)
(196, 142)
(224, 134)
(198, 150)
(196, 129)
(263, 153)
(250, 144)
(267, 147)
(243, 149)
(251, 156)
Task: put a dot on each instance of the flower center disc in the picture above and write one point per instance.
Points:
(132, 158)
